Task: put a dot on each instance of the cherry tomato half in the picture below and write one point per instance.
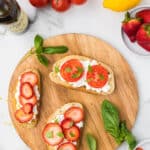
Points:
(72, 70)
(60, 5)
(97, 76)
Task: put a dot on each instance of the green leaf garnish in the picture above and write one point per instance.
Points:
(89, 80)
(56, 120)
(39, 50)
(78, 74)
(55, 50)
(80, 69)
(90, 68)
(101, 76)
(91, 141)
(43, 60)
(115, 126)
(68, 69)
(38, 41)
(56, 69)
(49, 134)
(60, 134)
(72, 134)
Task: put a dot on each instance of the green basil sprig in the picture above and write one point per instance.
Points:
(115, 126)
(91, 141)
(40, 51)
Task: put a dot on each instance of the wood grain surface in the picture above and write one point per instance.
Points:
(125, 96)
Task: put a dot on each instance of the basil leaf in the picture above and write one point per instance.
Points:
(111, 119)
(55, 50)
(68, 69)
(43, 60)
(101, 76)
(38, 41)
(127, 135)
(72, 134)
(39, 50)
(76, 75)
(130, 139)
(49, 134)
(90, 68)
(115, 127)
(60, 134)
(56, 69)
(91, 141)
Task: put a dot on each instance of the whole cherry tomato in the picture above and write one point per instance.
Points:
(78, 2)
(60, 5)
(39, 3)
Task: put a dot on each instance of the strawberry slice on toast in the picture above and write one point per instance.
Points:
(27, 98)
(67, 146)
(23, 117)
(63, 130)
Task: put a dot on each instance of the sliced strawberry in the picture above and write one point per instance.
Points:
(67, 146)
(144, 14)
(26, 90)
(53, 134)
(72, 134)
(30, 77)
(130, 26)
(27, 108)
(32, 100)
(67, 123)
(75, 113)
(23, 117)
(143, 36)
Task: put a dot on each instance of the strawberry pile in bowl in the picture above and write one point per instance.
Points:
(136, 30)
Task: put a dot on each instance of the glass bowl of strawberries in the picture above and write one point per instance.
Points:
(136, 30)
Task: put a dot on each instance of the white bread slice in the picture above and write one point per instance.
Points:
(34, 122)
(55, 78)
(61, 111)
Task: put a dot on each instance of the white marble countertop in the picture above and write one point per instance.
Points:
(92, 19)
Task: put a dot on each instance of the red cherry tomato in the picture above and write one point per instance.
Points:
(78, 2)
(60, 5)
(39, 3)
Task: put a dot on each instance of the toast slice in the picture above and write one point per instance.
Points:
(27, 109)
(56, 77)
(61, 118)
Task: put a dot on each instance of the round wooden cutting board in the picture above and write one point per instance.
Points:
(125, 96)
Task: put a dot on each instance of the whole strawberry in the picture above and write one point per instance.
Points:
(143, 36)
(130, 26)
(144, 15)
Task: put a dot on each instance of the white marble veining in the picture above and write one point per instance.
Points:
(90, 18)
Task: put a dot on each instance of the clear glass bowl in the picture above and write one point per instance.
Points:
(145, 144)
(134, 47)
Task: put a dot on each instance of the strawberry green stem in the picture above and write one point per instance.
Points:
(147, 28)
(127, 17)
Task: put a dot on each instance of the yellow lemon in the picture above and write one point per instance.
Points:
(120, 5)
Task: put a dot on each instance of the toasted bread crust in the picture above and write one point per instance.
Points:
(60, 111)
(34, 122)
(55, 78)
